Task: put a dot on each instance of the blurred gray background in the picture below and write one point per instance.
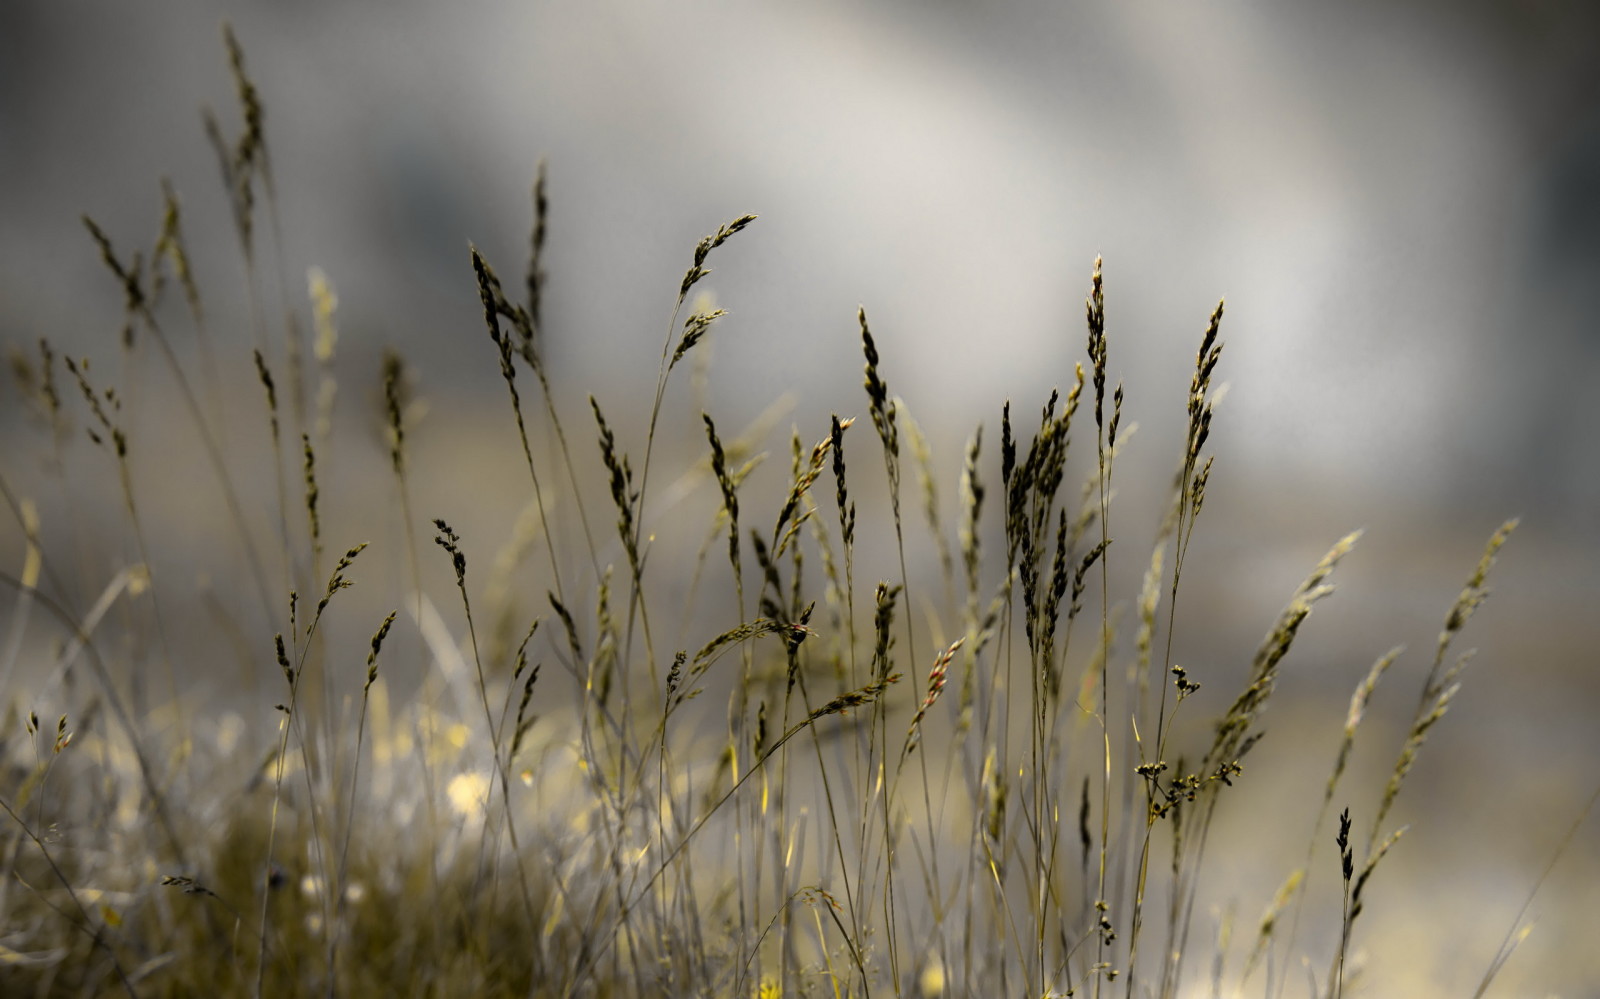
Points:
(1400, 201)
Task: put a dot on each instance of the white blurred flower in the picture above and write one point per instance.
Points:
(468, 793)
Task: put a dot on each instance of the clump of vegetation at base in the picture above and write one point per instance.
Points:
(997, 804)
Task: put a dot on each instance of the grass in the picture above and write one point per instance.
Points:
(568, 805)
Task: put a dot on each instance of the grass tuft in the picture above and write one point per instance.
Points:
(764, 811)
